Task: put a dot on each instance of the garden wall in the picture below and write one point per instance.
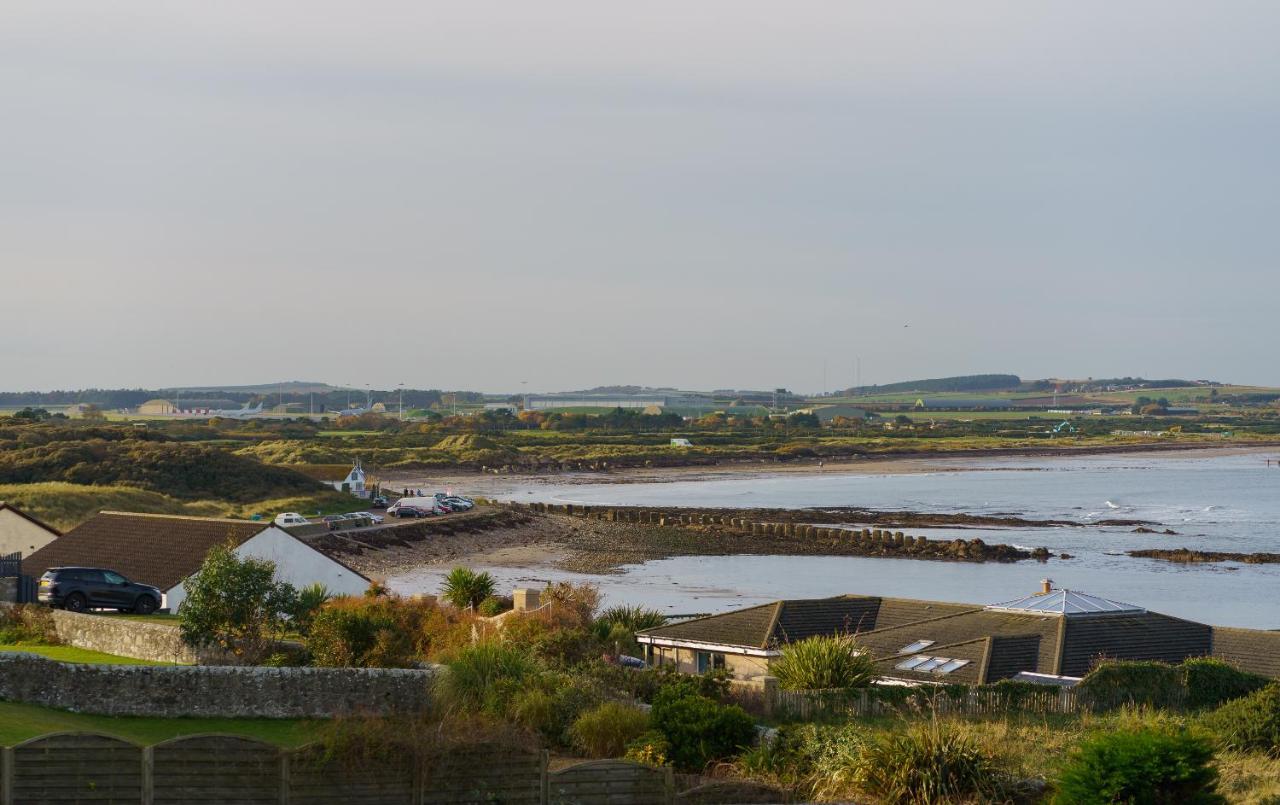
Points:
(81, 767)
(207, 690)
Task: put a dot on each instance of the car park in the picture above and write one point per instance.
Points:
(77, 589)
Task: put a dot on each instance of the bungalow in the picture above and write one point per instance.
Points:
(21, 533)
(1055, 635)
(165, 550)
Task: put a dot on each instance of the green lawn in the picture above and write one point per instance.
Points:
(18, 722)
(72, 654)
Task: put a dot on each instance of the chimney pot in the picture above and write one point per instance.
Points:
(1046, 586)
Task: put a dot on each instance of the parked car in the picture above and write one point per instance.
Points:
(403, 509)
(291, 518)
(379, 502)
(359, 519)
(80, 588)
(334, 521)
(458, 504)
(375, 519)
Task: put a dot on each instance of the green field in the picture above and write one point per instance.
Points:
(18, 722)
(77, 655)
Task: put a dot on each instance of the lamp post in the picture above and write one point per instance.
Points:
(400, 386)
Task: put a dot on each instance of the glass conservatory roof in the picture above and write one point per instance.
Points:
(1066, 602)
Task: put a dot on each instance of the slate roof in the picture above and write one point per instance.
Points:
(156, 549)
(771, 625)
(1147, 636)
(1248, 649)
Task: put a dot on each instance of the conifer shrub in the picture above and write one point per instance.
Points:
(1250, 723)
(1160, 764)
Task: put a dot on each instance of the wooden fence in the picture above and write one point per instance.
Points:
(805, 705)
(91, 768)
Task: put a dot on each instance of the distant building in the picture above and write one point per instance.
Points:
(500, 406)
(827, 413)
(21, 533)
(681, 403)
(164, 551)
(962, 403)
(157, 407)
(354, 482)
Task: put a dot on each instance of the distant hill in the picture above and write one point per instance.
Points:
(939, 384)
(288, 387)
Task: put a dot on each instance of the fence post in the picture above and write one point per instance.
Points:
(669, 783)
(284, 777)
(6, 775)
(148, 775)
(544, 789)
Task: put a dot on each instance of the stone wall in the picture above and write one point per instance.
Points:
(214, 691)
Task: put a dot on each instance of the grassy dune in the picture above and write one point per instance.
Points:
(65, 505)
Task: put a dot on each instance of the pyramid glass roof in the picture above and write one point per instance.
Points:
(1066, 603)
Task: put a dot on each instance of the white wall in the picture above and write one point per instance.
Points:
(20, 535)
(296, 563)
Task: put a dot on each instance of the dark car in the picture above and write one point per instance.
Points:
(80, 588)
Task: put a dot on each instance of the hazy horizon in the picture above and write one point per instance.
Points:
(568, 194)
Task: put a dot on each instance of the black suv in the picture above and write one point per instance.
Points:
(80, 588)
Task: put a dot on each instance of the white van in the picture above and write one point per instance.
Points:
(291, 518)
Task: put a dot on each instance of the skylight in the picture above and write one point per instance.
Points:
(950, 665)
(919, 645)
(1066, 603)
(935, 665)
(909, 664)
(931, 663)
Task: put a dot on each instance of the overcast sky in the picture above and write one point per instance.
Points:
(553, 195)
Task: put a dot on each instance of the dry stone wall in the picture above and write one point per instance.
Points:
(214, 691)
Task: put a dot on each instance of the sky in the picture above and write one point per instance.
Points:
(571, 193)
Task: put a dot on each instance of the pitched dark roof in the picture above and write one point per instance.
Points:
(1148, 636)
(772, 625)
(975, 651)
(4, 506)
(1250, 650)
(1038, 631)
(156, 549)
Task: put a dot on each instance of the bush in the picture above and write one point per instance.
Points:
(1118, 684)
(823, 663)
(493, 605)
(576, 601)
(555, 636)
(305, 606)
(606, 730)
(651, 748)
(929, 763)
(632, 618)
(364, 633)
(699, 729)
(235, 603)
(27, 624)
(1156, 765)
(464, 587)
(1210, 682)
(486, 676)
(1249, 724)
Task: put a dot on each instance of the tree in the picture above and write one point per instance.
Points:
(235, 603)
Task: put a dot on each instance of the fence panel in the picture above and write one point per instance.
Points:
(486, 773)
(215, 768)
(606, 782)
(76, 767)
(10, 564)
(316, 779)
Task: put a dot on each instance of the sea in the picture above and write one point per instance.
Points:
(1213, 501)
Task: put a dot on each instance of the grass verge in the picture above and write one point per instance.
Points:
(18, 722)
(80, 655)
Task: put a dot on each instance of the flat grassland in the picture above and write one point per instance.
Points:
(19, 722)
(77, 655)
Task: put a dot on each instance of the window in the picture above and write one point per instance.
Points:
(909, 665)
(709, 661)
(919, 645)
(112, 578)
(950, 665)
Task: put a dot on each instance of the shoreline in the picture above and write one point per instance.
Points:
(871, 464)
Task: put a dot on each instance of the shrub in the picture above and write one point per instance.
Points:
(491, 606)
(699, 729)
(486, 676)
(555, 636)
(651, 748)
(27, 624)
(633, 618)
(305, 606)
(578, 600)
(1210, 682)
(932, 762)
(606, 730)
(1117, 684)
(464, 587)
(1251, 723)
(823, 663)
(1154, 765)
(363, 633)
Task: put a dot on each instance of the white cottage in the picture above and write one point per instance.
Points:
(164, 551)
(22, 533)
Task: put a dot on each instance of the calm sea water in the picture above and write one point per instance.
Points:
(1220, 502)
